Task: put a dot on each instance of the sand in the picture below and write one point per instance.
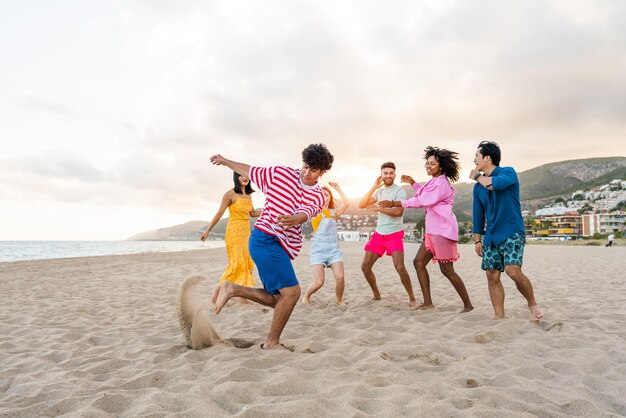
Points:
(99, 336)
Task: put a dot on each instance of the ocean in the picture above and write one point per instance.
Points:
(37, 250)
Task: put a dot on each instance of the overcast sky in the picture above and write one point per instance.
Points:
(110, 110)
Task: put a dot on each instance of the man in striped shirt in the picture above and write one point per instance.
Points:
(293, 196)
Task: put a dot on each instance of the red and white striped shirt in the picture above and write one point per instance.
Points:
(285, 195)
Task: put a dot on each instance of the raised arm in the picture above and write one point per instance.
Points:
(226, 202)
(368, 200)
(407, 179)
(344, 200)
(240, 168)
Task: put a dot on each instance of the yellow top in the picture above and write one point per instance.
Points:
(315, 222)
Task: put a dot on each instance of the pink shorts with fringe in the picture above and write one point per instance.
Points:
(444, 250)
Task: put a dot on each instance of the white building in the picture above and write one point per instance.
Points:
(349, 235)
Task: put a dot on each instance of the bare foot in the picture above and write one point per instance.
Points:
(338, 301)
(499, 317)
(536, 312)
(215, 292)
(425, 307)
(467, 309)
(306, 300)
(226, 291)
(376, 297)
(413, 305)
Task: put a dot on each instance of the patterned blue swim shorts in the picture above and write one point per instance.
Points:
(510, 252)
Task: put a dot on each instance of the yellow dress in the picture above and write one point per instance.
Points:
(240, 265)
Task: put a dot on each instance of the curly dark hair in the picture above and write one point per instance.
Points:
(448, 161)
(317, 156)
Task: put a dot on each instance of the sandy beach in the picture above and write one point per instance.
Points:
(99, 336)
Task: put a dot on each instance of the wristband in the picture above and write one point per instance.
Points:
(477, 175)
(477, 242)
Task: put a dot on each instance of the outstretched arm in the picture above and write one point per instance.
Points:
(289, 221)
(240, 168)
(407, 179)
(344, 200)
(226, 202)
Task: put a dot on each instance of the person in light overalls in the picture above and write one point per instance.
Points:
(325, 251)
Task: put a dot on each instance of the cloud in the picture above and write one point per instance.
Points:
(158, 87)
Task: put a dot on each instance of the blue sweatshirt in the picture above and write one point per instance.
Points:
(499, 207)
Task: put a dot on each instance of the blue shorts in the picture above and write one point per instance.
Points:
(272, 261)
(325, 254)
(510, 252)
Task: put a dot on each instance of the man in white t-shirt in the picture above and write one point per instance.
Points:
(389, 233)
(611, 239)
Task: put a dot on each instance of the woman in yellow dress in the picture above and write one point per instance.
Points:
(240, 209)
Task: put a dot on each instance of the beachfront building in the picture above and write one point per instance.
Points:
(562, 226)
(602, 223)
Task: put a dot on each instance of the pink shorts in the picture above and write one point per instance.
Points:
(378, 244)
(444, 250)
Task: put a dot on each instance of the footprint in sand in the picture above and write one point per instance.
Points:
(556, 327)
(471, 383)
(238, 343)
(487, 337)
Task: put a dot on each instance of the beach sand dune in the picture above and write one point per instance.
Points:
(100, 336)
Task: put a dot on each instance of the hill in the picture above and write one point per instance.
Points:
(538, 186)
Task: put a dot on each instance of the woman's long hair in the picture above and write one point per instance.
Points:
(237, 187)
(331, 202)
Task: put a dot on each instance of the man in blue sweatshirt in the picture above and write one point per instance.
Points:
(497, 215)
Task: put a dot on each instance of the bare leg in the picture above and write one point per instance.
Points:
(215, 292)
(366, 267)
(496, 293)
(337, 269)
(282, 311)
(448, 270)
(318, 282)
(228, 290)
(420, 262)
(525, 287)
(398, 263)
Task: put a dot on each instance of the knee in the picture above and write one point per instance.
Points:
(446, 269)
(419, 264)
(400, 268)
(514, 272)
(493, 278)
(291, 293)
(366, 268)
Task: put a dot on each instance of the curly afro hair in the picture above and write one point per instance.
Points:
(317, 156)
(448, 161)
